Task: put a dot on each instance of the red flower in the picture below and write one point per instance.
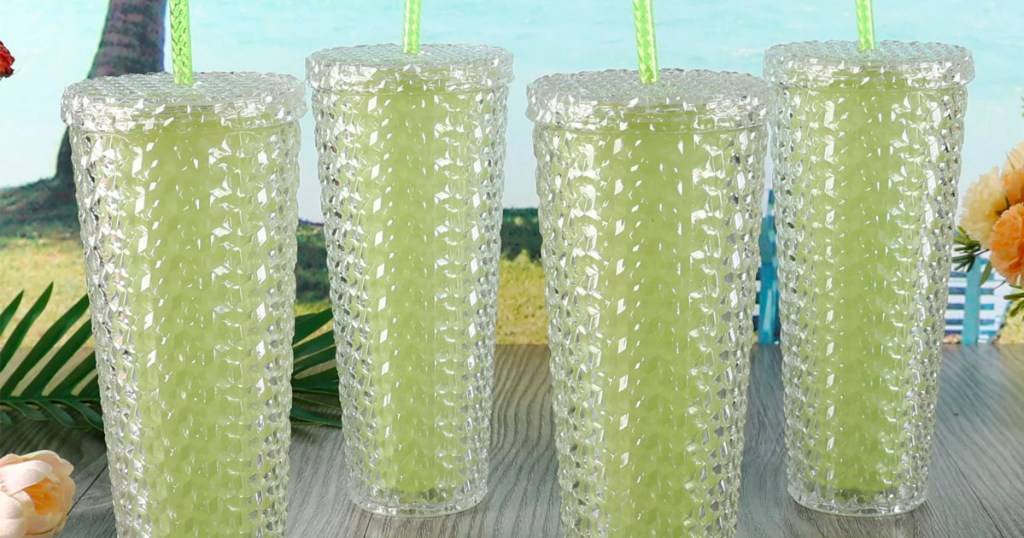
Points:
(6, 61)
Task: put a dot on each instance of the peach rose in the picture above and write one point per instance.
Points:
(35, 494)
(1008, 245)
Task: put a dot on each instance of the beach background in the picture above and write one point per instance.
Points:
(54, 42)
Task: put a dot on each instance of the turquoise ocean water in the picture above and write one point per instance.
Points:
(54, 42)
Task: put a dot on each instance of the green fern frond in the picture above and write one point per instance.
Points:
(42, 384)
(34, 386)
(315, 399)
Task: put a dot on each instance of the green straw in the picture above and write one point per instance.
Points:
(646, 46)
(411, 41)
(865, 25)
(181, 43)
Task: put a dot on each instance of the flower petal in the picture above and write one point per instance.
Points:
(14, 478)
(11, 459)
(1015, 160)
(984, 201)
(12, 517)
(61, 467)
(10, 507)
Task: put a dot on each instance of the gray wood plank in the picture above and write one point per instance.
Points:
(317, 504)
(84, 449)
(981, 425)
(976, 488)
(523, 496)
(93, 516)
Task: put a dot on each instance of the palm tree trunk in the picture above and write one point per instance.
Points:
(132, 42)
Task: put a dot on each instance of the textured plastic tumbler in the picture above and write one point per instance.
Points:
(867, 159)
(411, 154)
(187, 204)
(650, 213)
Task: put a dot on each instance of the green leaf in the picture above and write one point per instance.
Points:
(313, 402)
(62, 356)
(319, 379)
(986, 273)
(42, 366)
(12, 344)
(65, 338)
(8, 314)
(57, 413)
(314, 345)
(314, 360)
(49, 341)
(308, 324)
(312, 418)
(82, 371)
(91, 416)
(1016, 307)
(30, 412)
(327, 389)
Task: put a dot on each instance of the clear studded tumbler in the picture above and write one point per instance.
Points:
(867, 156)
(187, 203)
(650, 212)
(411, 154)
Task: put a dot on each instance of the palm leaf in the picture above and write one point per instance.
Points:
(43, 385)
(8, 313)
(12, 344)
(314, 340)
(42, 364)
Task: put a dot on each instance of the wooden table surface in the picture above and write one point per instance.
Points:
(976, 488)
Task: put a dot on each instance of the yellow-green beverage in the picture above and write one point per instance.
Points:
(187, 201)
(867, 158)
(411, 155)
(650, 211)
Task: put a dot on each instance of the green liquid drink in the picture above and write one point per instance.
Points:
(188, 221)
(411, 152)
(868, 162)
(650, 211)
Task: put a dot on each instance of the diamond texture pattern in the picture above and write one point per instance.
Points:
(650, 251)
(866, 183)
(412, 180)
(188, 225)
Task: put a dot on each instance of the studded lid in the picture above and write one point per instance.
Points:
(124, 102)
(684, 100)
(387, 69)
(841, 64)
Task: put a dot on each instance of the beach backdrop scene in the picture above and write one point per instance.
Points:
(54, 42)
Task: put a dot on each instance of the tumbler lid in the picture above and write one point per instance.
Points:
(679, 101)
(129, 101)
(890, 65)
(387, 69)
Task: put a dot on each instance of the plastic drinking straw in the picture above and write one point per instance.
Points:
(411, 42)
(181, 43)
(865, 25)
(646, 47)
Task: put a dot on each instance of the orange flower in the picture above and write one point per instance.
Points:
(1013, 175)
(1013, 182)
(1008, 245)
